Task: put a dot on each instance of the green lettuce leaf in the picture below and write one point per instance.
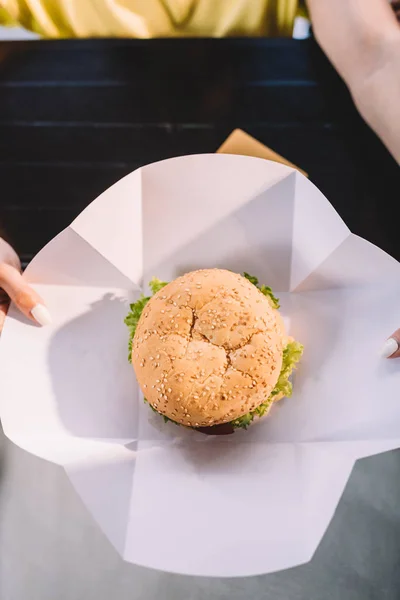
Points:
(264, 289)
(291, 357)
(251, 278)
(156, 285)
(136, 309)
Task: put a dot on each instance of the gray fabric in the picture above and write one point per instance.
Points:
(50, 548)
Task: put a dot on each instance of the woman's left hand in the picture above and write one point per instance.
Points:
(13, 287)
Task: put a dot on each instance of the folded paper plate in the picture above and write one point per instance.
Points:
(170, 498)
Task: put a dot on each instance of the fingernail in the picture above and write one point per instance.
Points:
(41, 314)
(389, 348)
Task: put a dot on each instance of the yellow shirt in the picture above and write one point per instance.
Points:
(152, 18)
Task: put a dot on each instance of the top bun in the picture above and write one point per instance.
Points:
(208, 348)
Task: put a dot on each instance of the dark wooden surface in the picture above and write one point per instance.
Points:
(75, 116)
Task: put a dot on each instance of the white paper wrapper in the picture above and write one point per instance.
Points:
(172, 499)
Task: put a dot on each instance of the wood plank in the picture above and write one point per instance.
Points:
(29, 230)
(58, 187)
(270, 60)
(155, 102)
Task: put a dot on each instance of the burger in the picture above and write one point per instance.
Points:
(210, 349)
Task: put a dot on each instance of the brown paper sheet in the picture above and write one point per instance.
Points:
(240, 142)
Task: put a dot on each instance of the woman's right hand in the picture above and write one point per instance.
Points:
(391, 348)
(362, 40)
(14, 288)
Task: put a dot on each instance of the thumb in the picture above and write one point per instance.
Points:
(25, 298)
(391, 348)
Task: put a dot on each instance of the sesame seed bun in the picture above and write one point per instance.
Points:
(208, 348)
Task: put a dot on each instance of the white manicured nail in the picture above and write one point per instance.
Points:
(389, 348)
(41, 314)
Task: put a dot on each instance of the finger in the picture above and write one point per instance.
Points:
(27, 300)
(3, 313)
(391, 348)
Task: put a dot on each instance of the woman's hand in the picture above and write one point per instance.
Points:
(13, 287)
(391, 349)
(362, 40)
